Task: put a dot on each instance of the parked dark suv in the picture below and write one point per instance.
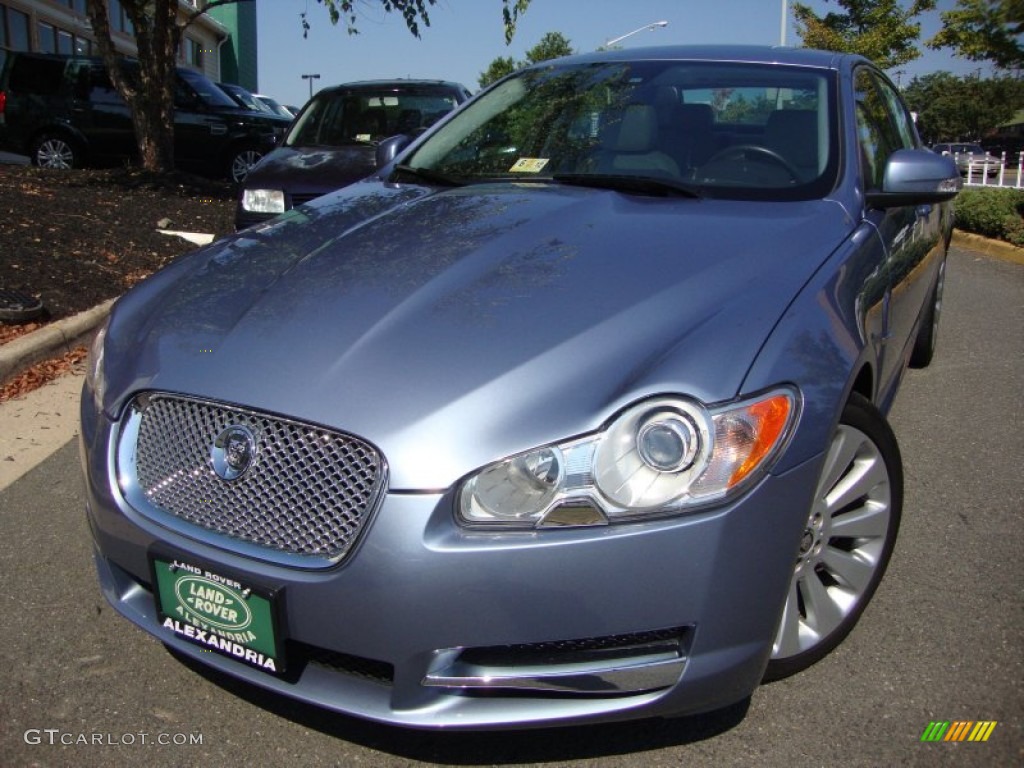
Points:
(333, 141)
(63, 112)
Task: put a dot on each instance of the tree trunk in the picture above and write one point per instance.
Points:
(148, 89)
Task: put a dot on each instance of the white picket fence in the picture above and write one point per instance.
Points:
(1008, 175)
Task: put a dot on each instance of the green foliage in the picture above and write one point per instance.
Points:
(510, 12)
(882, 30)
(413, 12)
(992, 212)
(551, 46)
(984, 30)
(951, 108)
(501, 66)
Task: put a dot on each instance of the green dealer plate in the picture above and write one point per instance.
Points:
(219, 613)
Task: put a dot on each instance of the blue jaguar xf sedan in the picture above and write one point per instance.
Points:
(575, 411)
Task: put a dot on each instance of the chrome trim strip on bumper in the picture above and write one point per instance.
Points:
(630, 675)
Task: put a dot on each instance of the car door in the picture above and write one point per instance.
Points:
(911, 235)
(100, 112)
(198, 134)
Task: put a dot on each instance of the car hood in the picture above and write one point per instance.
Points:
(312, 171)
(454, 327)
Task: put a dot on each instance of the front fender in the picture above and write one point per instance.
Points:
(827, 337)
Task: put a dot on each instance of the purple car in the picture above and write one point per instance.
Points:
(574, 411)
(334, 141)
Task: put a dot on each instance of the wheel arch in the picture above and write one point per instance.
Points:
(68, 132)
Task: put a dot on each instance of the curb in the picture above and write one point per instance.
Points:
(985, 246)
(51, 340)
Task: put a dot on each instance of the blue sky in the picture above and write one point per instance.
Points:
(464, 36)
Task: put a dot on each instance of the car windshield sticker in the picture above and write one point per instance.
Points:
(529, 165)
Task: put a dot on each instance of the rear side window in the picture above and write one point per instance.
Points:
(99, 89)
(37, 75)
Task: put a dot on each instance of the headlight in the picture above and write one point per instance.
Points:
(95, 377)
(658, 457)
(263, 200)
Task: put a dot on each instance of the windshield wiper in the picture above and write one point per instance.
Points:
(425, 174)
(644, 185)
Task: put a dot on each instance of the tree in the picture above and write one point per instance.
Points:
(984, 30)
(149, 92)
(497, 69)
(551, 46)
(882, 30)
(951, 108)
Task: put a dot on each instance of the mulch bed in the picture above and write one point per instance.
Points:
(74, 239)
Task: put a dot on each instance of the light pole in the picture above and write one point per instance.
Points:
(311, 78)
(653, 26)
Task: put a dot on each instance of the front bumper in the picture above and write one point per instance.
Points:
(432, 626)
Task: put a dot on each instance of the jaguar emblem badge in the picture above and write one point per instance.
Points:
(233, 452)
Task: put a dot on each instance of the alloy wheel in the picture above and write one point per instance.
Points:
(242, 163)
(846, 543)
(55, 153)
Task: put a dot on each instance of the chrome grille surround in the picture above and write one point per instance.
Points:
(303, 501)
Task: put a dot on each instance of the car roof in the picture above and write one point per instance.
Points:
(391, 84)
(752, 54)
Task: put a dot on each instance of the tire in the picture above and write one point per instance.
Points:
(928, 334)
(52, 150)
(240, 162)
(847, 543)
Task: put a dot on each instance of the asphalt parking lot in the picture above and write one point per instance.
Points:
(942, 641)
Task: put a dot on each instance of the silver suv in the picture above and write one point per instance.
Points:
(970, 158)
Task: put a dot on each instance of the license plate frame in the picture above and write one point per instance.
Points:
(218, 610)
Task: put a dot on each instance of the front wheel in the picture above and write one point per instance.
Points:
(241, 161)
(52, 150)
(847, 542)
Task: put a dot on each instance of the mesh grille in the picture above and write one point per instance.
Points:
(564, 651)
(308, 490)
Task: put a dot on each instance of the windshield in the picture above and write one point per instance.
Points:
(210, 94)
(365, 116)
(272, 105)
(744, 131)
(243, 97)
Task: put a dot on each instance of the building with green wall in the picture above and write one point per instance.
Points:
(238, 53)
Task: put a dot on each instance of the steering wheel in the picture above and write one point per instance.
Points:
(737, 150)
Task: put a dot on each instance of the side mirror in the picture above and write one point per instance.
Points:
(916, 177)
(388, 149)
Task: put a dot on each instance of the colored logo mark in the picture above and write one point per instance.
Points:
(959, 730)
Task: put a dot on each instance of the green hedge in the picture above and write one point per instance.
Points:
(992, 212)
